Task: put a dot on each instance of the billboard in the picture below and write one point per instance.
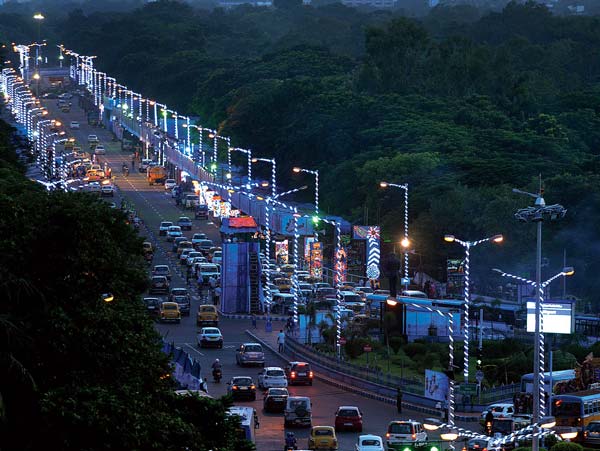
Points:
(316, 260)
(557, 317)
(308, 240)
(436, 385)
(281, 252)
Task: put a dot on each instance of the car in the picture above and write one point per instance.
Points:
(197, 238)
(65, 95)
(182, 297)
(197, 261)
(482, 444)
(299, 373)
(217, 257)
(275, 399)
(169, 311)
(170, 184)
(297, 412)
(242, 387)
(322, 437)
(107, 190)
(144, 164)
(272, 376)
(93, 139)
(191, 256)
(591, 434)
(207, 314)
(164, 227)
(185, 223)
(348, 418)
(499, 410)
(400, 432)
(162, 270)
(74, 125)
(184, 255)
(324, 292)
(204, 246)
(208, 270)
(176, 242)
(100, 150)
(159, 284)
(183, 245)
(93, 187)
(174, 232)
(369, 443)
(210, 336)
(250, 354)
(152, 306)
(283, 283)
(318, 285)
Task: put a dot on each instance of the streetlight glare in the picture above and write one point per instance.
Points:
(498, 238)
(38, 16)
(391, 302)
(254, 160)
(184, 125)
(211, 135)
(449, 238)
(568, 271)
(296, 170)
(36, 76)
(405, 242)
(383, 184)
(264, 184)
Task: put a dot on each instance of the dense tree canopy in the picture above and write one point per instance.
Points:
(462, 104)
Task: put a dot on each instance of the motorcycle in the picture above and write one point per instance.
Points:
(217, 374)
(290, 445)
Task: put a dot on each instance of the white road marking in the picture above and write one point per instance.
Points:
(193, 349)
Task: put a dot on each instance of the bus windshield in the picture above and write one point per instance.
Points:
(561, 408)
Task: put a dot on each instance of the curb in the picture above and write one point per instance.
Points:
(362, 392)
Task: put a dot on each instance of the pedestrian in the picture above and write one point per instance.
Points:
(399, 399)
(280, 340)
(217, 296)
(204, 385)
(391, 268)
(254, 320)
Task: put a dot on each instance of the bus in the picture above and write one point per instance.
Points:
(248, 421)
(576, 409)
(557, 376)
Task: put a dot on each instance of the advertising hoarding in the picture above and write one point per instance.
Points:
(557, 317)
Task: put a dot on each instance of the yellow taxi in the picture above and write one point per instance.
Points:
(283, 284)
(322, 437)
(169, 311)
(207, 315)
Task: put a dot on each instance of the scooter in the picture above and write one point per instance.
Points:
(217, 374)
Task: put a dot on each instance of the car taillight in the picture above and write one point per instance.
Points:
(293, 375)
(414, 436)
(252, 387)
(234, 388)
(484, 449)
(310, 374)
(387, 435)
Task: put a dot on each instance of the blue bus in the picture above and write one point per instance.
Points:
(576, 409)
(557, 376)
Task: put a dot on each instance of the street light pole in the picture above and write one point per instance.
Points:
(405, 241)
(537, 213)
(468, 245)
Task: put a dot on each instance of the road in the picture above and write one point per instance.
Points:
(154, 205)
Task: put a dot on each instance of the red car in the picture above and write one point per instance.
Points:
(348, 418)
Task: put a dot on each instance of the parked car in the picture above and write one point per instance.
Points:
(272, 376)
(299, 373)
(401, 432)
(210, 336)
(242, 387)
(297, 412)
(250, 354)
(164, 227)
(169, 311)
(159, 284)
(74, 125)
(275, 399)
(322, 437)
(369, 443)
(170, 184)
(185, 223)
(348, 418)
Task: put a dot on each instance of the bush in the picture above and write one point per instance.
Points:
(415, 349)
(396, 344)
(567, 446)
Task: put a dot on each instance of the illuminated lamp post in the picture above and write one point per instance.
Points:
(468, 245)
(405, 243)
(248, 153)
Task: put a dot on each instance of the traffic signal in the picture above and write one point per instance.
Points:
(421, 448)
(479, 356)
(315, 219)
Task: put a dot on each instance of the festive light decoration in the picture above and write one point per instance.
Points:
(468, 245)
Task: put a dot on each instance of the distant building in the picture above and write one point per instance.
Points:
(227, 4)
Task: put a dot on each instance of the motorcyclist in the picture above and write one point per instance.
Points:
(290, 440)
(216, 365)
(216, 369)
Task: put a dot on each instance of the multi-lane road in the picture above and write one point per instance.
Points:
(153, 204)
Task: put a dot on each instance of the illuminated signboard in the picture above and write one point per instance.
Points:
(557, 317)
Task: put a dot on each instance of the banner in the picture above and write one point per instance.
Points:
(316, 260)
(308, 240)
(281, 252)
(287, 225)
(341, 265)
(436, 385)
(360, 232)
(373, 252)
(456, 276)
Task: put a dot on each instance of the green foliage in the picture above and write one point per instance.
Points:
(396, 343)
(567, 446)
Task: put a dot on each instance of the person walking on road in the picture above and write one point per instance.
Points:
(132, 164)
(280, 340)
(399, 399)
(254, 321)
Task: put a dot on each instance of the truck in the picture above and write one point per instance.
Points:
(156, 175)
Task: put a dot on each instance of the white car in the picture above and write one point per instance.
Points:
(198, 237)
(108, 190)
(402, 432)
(217, 257)
(100, 150)
(93, 187)
(174, 232)
(272, 377)
(170, 184)
(369, 443)
(74, 125)
(505, 410)
(164, 227)
(210, 336)
(93, 139)
(191, 256)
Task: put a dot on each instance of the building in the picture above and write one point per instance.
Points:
(380, 4)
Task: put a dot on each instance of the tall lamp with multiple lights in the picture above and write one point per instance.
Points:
(405, 243)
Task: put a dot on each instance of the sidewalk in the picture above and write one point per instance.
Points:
(332, 377)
